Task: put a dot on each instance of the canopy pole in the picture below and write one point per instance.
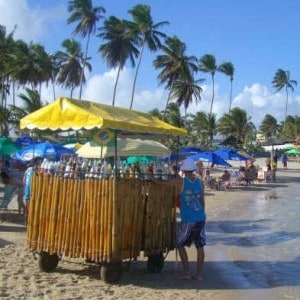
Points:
(116, 249)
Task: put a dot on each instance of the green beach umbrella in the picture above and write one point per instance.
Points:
(293, 151)
(7, 146)
(142, 159)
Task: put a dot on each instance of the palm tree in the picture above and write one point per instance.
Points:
(175, 64)
(228, 69)
(7, 45)
(204, 125)
(207, 64)
(292, 127)
(5, 116)
(30, 64)
(31, 101)
(119, 46)
(173, 115)
(283, 79)
(145, 32)
(185, 91)
(269, 127)
(237, 123)
(86, 16)
(71, 64)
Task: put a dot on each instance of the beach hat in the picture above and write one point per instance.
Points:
(188, 165)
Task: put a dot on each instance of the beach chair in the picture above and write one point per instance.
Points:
(235, 177)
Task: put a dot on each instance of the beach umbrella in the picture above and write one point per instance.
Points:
(7, 146)
(24, 141)
(189, 151)
(230, 154)
(74, 146)
(125, 147)
(43, 150)
(293, 151)
(141, 159)
(211, 157)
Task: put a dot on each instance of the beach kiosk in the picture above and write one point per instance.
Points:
(106, 221)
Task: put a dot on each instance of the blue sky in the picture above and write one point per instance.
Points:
(257, 36)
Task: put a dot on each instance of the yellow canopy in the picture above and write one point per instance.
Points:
(71, 114)
(125, 147)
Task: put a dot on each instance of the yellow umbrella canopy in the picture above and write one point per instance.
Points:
(125, 147)
(71, 114)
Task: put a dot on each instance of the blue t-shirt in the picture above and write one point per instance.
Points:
(191, 209)
(27, 183)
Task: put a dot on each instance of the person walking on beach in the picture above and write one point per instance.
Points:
(284, 160)
(192, 213)
(12, 184)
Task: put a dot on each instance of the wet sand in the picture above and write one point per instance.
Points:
(20, 277)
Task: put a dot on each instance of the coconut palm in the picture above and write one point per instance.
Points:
(204, 125)
(292, 128)
(6, 48)
(146, 32)
(237, 123)
(269, 127)
(71, 64)
(185, 91)
(30, 64)
(227, 68)
(118, 48)
(31, 101)
(282, 79)
(5, 116)
(175, 64)
(86, 16)
(173, 115)
(207, 64)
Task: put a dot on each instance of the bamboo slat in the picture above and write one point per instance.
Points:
(42, 214)
(53, 213)
(79, 214)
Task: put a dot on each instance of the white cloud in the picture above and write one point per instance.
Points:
(99, 88)
(31, 23)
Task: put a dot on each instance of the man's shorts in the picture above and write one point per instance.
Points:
(188, 233)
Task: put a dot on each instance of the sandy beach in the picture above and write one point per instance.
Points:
(20, 277)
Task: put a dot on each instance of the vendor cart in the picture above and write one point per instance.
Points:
(102, 220)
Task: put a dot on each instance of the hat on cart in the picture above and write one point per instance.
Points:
(188, 165)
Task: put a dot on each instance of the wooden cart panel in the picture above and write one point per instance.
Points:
(100, 219)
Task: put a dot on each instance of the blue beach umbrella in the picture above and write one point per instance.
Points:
(211, 157)
(45, 150)
(189, 151)
(230, 154)
(24, 141)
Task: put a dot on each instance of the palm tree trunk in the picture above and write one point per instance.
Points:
(230, 100)
(115, 87)
(286, 106)
(84, 61)
(213, 93)
(168, 100)
(136, 73)
(14, 93)
(53, 88)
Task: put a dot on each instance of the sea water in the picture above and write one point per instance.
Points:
(256, 241)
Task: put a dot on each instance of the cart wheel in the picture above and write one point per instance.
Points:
(111, 273)
(155, 263)
(47, 262)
